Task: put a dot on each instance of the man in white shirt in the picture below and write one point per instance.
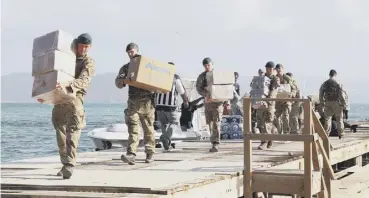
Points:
(166, 109)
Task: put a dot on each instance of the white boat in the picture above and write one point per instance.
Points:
(116, 135)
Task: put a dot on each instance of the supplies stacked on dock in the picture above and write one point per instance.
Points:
(220, 85)
(259, 89)
(53, 62)
(149, 74)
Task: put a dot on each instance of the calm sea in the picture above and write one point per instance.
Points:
(27, 131)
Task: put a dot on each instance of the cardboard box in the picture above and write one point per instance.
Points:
(56, 40)
(149, 74)
(220, 93)
(216, 77)
(284, 91)
(54, 60)
(44, 87)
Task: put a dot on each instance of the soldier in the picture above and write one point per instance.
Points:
(141, 108)
(283, 109)
(265, 116)
(69, 118)
(331, 97)
(295, 108)
(167, 110)
(213, 110)
(236, 85)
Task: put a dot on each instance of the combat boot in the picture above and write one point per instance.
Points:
(214, 148)
(149, 158)
(165, 142)
(262, 146)
(129, 158)
(68, 171)
(60, 173)
(270, 144)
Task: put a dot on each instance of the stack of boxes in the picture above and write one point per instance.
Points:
(259, 89)
(220, 85)
(53, 62)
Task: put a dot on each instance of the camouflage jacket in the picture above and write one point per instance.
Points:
(330, 90)
(85, 69)
(274, 84)
(201, 85)
(133, 92)
(288, 80)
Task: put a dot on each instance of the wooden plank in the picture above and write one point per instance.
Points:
(317, 167)
(307, 151)
(318, 128)
(284, 181)
(56, 194)
(247, 150)
(280, 137)
(350, 152)
(326, 160)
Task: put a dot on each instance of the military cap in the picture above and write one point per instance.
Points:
(131, 46)
(84, 38)
(279, 66)
(206, 60)
(269, 64)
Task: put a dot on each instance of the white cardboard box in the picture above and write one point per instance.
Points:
(56, 40)
(220, 93)
(216, 77)
(44, 87)
(54, 60)
(284, 91)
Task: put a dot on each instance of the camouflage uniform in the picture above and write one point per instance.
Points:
(140, 108)
(283, 109)
(295, 110)
(331, 97)
(266, 116)
(69, 118)
(213, 111)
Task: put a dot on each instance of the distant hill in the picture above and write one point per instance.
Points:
(17, 88)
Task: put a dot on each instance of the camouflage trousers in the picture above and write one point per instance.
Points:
(68, 120)
(294, 117)
(213, 116)
(140, 111)
(264, 119)
(333, 108)
(282, 117)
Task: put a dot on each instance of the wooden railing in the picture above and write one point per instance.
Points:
(314, 179)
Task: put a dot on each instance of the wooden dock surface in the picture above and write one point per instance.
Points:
(188, 171)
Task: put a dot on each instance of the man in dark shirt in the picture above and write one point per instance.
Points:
(187, 113)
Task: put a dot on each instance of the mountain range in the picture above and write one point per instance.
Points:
(17, 88)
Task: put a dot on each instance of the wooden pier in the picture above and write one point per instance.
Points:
(190, 170)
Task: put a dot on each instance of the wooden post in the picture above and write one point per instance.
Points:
(307, 151)
(247, 149)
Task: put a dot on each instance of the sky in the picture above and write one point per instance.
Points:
(308, 37)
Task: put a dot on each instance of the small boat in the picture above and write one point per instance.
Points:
(116, 135)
